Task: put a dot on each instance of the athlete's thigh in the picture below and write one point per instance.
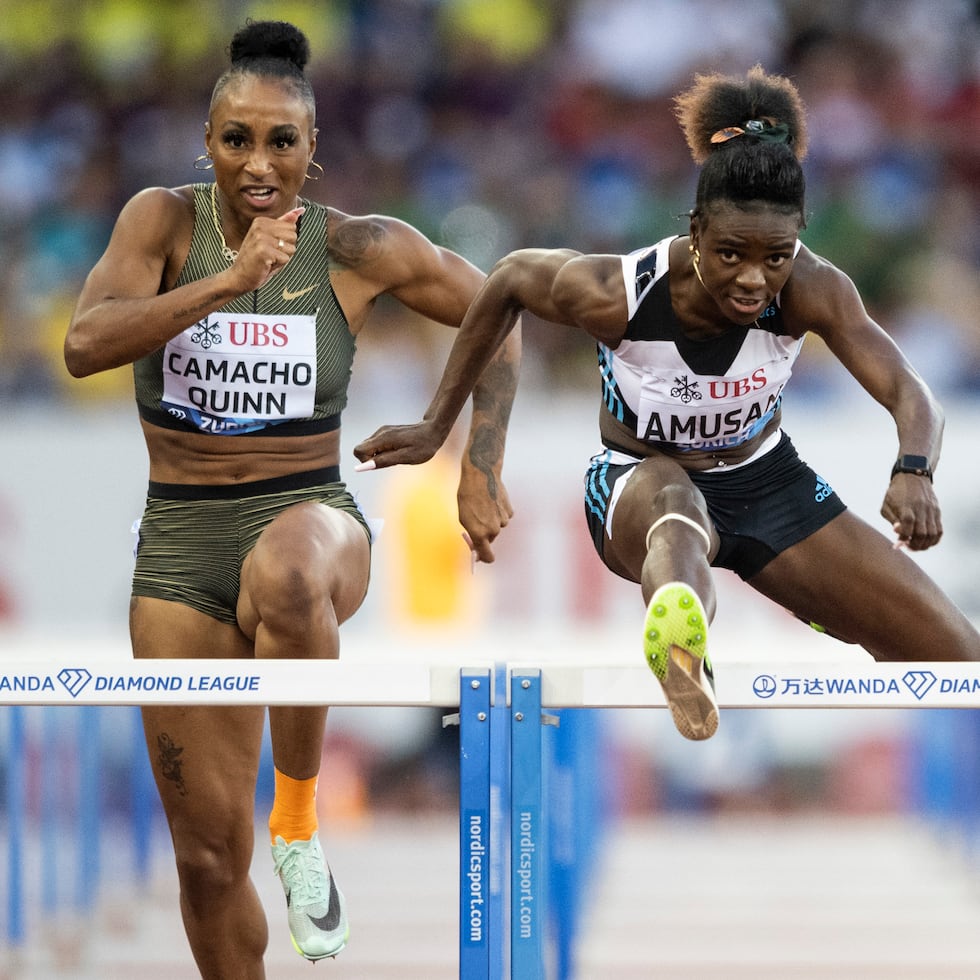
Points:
(849, 578)
(309, 547)
(655, 487)
(160, 629)
(204, 758)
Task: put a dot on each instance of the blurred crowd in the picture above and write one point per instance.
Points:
(496, 124)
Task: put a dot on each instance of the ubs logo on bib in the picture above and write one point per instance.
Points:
(235, 374)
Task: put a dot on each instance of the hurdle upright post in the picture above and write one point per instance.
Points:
(474, 825)
(528, 849)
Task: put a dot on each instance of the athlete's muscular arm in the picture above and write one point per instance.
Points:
(483, 457)
(377, 255)
(588, 293)
(590, 296)
(127, 309)
(483, 503)
(522, 280)
(826, 301)
(585, 291)
(559, 287)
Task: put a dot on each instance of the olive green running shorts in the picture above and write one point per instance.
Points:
(193, 539)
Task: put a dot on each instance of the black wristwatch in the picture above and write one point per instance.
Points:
(918, 465)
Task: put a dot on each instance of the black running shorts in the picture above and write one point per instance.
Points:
(759, 509)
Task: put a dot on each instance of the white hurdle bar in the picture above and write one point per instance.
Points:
(501, 707)
(743, 684)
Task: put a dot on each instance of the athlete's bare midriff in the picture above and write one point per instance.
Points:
(197, 458)
(615, 434)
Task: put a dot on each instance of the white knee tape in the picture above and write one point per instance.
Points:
(684, 520)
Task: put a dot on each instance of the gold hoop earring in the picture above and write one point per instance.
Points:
(208, 165)
(310, 176)
(696, 262)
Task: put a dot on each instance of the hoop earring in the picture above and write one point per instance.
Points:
(208, 165)
(310, 176)
(696, 262)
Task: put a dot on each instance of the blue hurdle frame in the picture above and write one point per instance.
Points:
(502, 880)
(475, 929)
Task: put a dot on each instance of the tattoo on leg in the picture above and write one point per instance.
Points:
(170, 762)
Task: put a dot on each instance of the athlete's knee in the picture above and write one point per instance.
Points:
(677, 506)
(287, 580)
(310, 556)
(678, 498)
(211, 866)
(298, 590)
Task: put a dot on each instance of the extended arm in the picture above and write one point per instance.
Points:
(521, 281)
(872, 357)
(441, 286)
(483, 457)
(560, 286)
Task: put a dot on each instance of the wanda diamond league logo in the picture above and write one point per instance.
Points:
(919, 682)
(74, 679)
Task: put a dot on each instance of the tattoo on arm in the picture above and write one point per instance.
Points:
(206, 306)
(492, 401)
(485, 453)
(493, 394)
(171, 766)
(355, 242)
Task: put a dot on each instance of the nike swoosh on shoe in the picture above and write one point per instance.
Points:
(331, 920)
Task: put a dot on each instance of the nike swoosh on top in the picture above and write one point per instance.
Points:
(288, 294)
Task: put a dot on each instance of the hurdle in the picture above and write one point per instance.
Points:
(503, 818)
(502, 710)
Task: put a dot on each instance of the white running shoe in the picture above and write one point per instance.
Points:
(675, 639)
(315, 907)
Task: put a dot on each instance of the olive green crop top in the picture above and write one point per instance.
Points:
(275, 361)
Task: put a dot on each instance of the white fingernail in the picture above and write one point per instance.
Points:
(368, 464)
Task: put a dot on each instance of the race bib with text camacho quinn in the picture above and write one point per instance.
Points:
(238, 372)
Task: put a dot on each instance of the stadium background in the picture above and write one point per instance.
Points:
(490, 125)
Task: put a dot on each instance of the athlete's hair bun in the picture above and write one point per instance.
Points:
(758, 106)
(270, 39)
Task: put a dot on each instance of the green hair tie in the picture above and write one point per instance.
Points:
(766, 130)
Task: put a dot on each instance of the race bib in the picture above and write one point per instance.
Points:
(235, 372)
(706, 413)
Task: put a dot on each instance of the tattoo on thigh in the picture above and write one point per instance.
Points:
(171, 766)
